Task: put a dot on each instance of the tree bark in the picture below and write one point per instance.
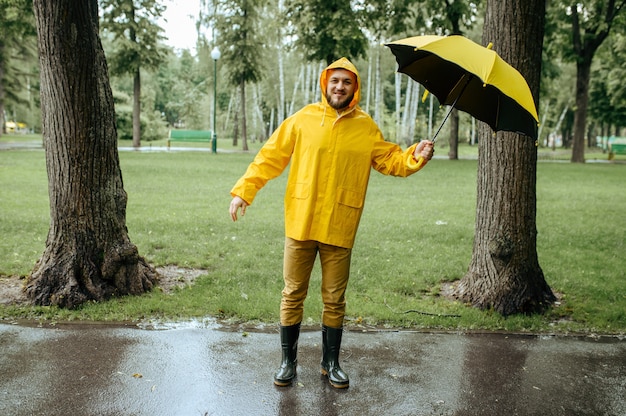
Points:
(88, 254)
(504, 273)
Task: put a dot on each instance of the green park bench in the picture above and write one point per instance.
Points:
(189, 136)
(617, 146)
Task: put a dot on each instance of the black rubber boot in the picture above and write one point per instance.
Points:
(289, 345)
(331, 344)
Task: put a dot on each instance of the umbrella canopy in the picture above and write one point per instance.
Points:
(471, 78)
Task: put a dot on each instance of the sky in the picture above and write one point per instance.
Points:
(180, 28)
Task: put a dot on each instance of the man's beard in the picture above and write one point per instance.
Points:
(339, 104)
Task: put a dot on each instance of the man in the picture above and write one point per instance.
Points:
(332, 147)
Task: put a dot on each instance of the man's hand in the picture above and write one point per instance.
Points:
(425, 149)
(235, 204)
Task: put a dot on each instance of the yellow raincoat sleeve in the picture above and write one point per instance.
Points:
(269, 163)
(389, 159)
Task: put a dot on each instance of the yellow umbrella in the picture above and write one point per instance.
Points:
(470, 77)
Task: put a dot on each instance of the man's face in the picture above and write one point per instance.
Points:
(340, 88)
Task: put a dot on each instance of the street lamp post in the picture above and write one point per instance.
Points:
(215, 54)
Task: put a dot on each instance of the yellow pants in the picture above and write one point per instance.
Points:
(298, 264)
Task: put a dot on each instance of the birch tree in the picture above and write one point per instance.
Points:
(384, 19)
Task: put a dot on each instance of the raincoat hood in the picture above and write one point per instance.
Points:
(343, 63)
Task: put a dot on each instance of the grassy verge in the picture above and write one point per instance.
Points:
(416, 234)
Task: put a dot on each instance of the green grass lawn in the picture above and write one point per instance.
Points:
(416, 234)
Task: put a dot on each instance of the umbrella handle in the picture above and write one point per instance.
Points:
(469, 78)
(434, 139)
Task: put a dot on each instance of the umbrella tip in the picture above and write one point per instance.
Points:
(490, 46)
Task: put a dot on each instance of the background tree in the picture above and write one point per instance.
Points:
(17, 51)
(153, 121)
(607, 92)
(504, 273)
(88, 254)
(277, 52)
(557, 81)
(136, 40)
(239, 26)
(182, 87)
(588, 24)
(326, 30)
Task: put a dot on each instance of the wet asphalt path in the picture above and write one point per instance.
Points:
(211, 370)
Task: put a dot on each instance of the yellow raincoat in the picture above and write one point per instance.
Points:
(331, 157)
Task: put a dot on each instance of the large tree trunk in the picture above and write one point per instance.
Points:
(88, 254)
(504, 273)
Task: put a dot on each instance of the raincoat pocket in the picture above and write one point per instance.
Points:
(350, 198)
(346, 215)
